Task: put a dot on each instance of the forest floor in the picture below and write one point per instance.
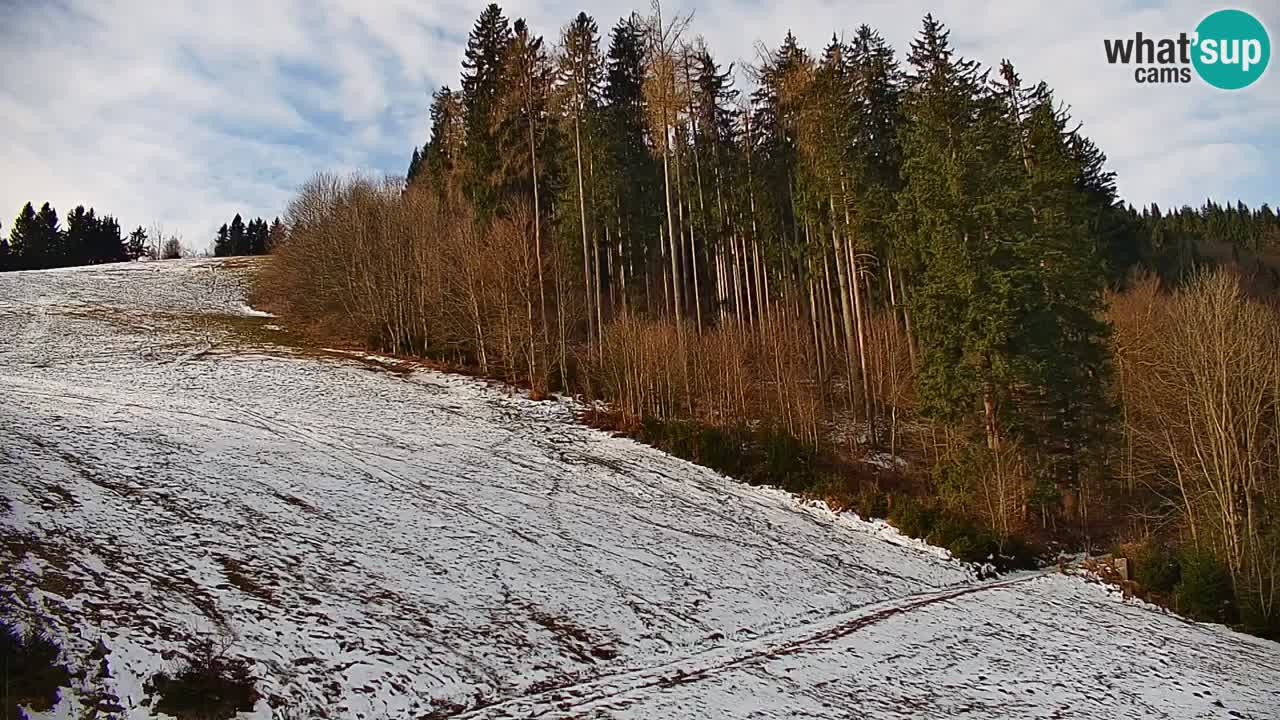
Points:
(381, 541)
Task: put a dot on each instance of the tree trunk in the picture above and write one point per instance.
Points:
(586, 251)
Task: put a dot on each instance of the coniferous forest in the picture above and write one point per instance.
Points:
(794, 270)
(254, 238)
(38, 239)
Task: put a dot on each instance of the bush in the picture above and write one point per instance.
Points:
(911, 518)
(965, 540)
(31, 672)
(720, 450)
(1156, 567)
(1204, 590)
(955, 476)
(788, 462)
(212, 686)
(1255, 619)
(872, 503)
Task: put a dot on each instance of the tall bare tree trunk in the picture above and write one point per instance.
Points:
(582, 214)
(854, 374)
(850, 247)
(537, 210)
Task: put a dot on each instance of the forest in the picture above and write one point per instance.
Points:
(907, 287)
(38, 240)
(254, 238)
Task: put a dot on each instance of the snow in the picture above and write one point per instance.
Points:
(885, 461)
(392, 544)
(251, 312)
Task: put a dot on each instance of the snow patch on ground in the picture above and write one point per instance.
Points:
(248, 311)
(388, 545)
(885, 461)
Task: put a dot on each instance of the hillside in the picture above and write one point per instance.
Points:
(385, 542)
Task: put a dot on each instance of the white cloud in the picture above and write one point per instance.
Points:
(187, 112)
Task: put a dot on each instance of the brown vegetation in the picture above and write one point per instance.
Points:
(1199, 383)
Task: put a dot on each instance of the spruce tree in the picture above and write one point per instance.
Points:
(107, 243)
(222, 242)
(138, 243)
(957, 166)
(258, 237)
(23, 239)
(627, 179)
(415, 167)
(441, 162)
(875, 155)
(77, 240)
(6, 256)
(519, 124)
(275, 235)
(45, 247)
(237, 236)
(481, 77)
(1060, 340)
(580, 79)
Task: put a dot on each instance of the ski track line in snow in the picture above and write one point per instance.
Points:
(570, 700)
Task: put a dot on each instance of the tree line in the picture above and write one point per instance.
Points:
(849, 253)
(254, 238)
(38, 239)
(1174, 243)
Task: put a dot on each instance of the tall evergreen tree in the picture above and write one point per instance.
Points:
(627, 178)
(237, 236)
(107, 243)
(222, 242)
(442, 158)
(875, 152)
(1060, 339)
(137, 243)
(258, 237)
(45, 244)
(24, 241)
(275, 235)
(481, 77)
(77, 240)
(415, 167)
(580, 78)
(957, 165)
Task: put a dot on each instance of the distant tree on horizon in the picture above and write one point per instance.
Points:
(236, 236)
(137, 243)
(172, 248)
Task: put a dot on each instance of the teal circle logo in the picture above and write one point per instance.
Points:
(1232, 49)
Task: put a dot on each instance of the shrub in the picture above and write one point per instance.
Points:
(1256, 619)
(911, 518)
(1156, 567)
(1204, 590)
(872, 503)
(212, 686)
(719, 450)
(788, 462)
(964, 539)
(31, 672)
(956, 476)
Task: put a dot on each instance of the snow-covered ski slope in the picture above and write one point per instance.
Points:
(407, 545)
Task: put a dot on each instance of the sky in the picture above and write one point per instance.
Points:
(179, 114)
